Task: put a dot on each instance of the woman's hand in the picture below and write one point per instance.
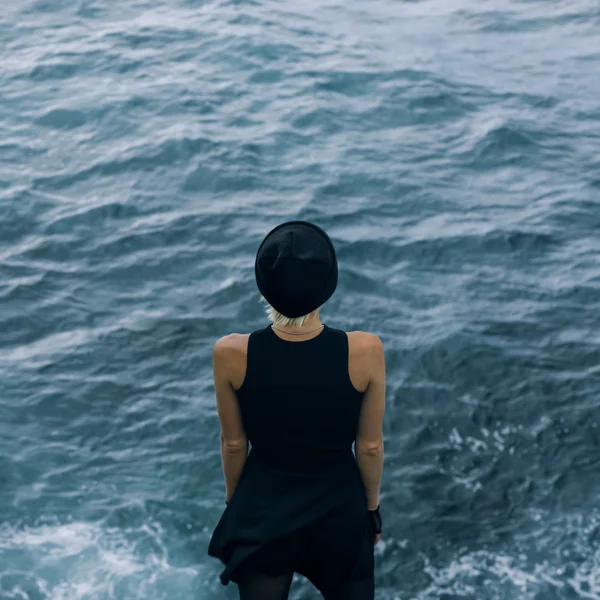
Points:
(376, 523)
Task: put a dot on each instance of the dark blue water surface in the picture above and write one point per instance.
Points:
(452, 151)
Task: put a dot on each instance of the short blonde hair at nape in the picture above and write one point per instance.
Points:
(280, 320)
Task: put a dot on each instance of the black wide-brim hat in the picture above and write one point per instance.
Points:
(296, 268)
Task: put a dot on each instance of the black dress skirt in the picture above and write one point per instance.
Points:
(313, 524)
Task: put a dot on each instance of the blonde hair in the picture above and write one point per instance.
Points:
(280, 320)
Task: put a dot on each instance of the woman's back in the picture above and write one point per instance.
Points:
(299, 406)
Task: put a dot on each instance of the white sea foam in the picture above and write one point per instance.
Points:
(573, 571)
(81, 560)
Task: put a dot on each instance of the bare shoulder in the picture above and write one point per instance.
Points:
(365, 341)
(365, 357)
(231, 342)
(230, 352)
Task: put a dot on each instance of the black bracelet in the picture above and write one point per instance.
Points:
(375, 519)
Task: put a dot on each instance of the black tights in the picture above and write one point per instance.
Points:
(257, 586)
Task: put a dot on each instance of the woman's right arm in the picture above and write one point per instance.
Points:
(369, 439)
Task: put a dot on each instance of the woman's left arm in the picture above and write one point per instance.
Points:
(234, 445)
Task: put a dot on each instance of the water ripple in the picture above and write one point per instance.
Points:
(451, 152)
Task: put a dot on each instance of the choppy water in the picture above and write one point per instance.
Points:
(452, 151)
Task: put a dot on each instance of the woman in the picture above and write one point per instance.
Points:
(301, 394)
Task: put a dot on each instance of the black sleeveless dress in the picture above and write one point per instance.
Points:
(300, 503)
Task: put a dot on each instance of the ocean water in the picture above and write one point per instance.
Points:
(452, 151)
